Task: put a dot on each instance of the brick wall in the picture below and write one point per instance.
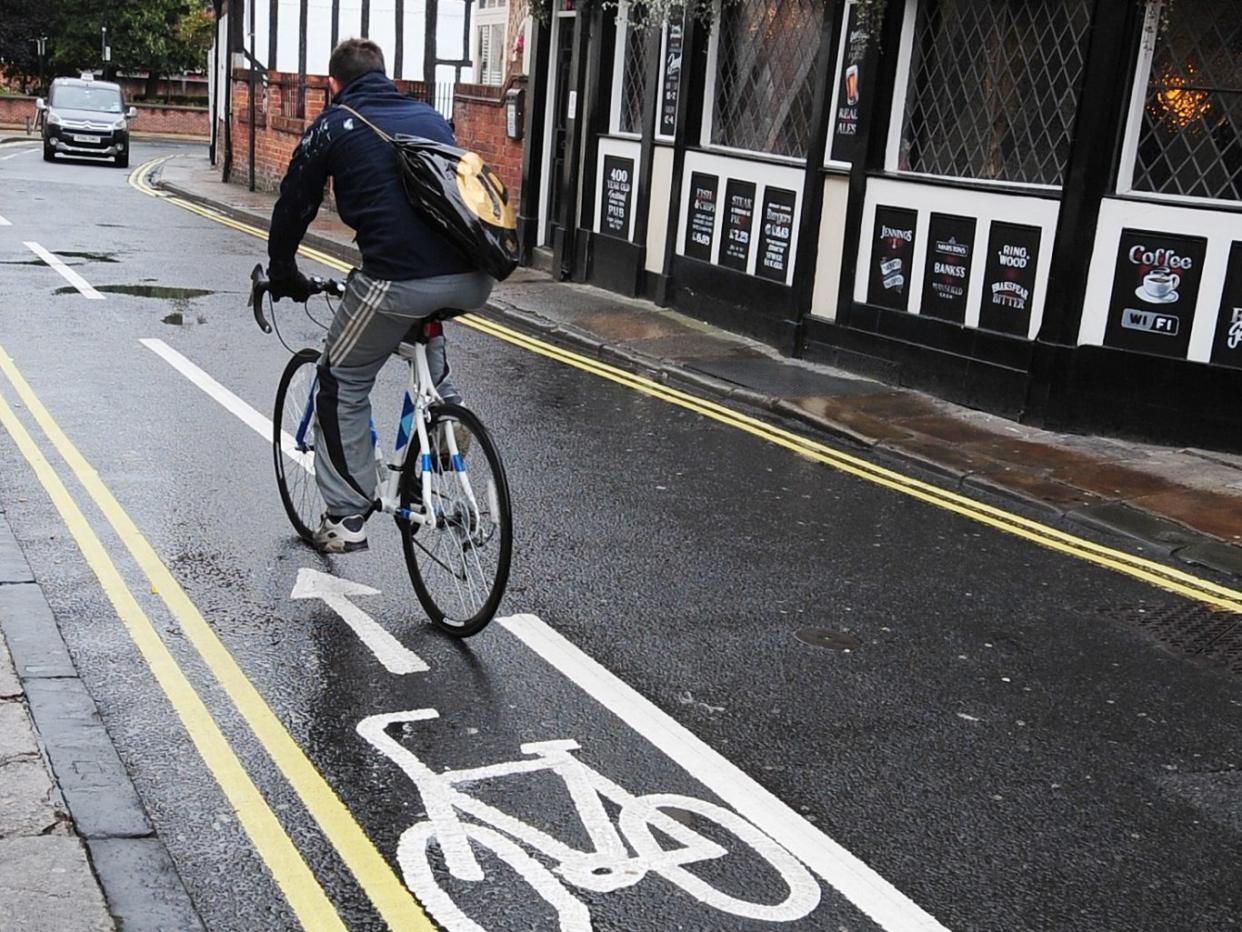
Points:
(153, 118)
(479, 118)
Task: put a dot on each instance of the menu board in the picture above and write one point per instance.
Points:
(1009, 278)
(776, 234)
(858, 56)
(1227, 349)
(739, 217)
(618, 195)
(946, 271)
(892, 253)
(701, 216)
(671, 88)
(1155, 287)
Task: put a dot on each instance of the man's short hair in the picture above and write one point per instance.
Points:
(353, 58)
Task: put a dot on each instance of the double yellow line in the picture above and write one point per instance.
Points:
(1157, 574)
(312, 906)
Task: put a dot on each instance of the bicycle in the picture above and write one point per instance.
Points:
(457, 542)
(608, 867)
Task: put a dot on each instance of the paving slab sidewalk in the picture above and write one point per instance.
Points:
(1184, 503)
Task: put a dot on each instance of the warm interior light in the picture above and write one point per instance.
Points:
(1179, 104)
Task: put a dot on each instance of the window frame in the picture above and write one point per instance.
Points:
(1128, 165)
(489, 17)
(618, 73)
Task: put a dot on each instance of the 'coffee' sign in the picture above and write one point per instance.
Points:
(1009, 278)
(892, 254)
(1155, 288)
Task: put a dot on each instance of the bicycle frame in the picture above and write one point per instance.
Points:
(420, 395)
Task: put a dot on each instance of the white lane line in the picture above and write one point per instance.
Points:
(248, 415)
(394, 656)
(68, 274)
(862, 886)
(5, 158)
(4, 223)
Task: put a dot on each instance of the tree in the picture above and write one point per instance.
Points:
(160, 37)
(21, 23)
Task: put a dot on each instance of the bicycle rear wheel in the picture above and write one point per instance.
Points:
(460, 564)
(293, 443)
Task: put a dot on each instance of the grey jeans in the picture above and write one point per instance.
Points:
(373, 318)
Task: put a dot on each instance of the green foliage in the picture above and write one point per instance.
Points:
(20, 23)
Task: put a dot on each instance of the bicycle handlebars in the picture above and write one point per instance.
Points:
(261, 285)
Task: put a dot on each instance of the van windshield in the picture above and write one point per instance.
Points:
(76, 97)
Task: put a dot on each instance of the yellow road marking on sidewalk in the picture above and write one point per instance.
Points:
(389, 895)
(1158, 574)
(296, 881)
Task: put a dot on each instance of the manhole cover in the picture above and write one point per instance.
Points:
(822, 637)
(1192, 630)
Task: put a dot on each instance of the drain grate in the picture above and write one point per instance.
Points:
(1212, 636)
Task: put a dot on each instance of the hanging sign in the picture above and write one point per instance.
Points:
(671, 87)
(1227, 348)
(1009, 278)
(892, 253)
(776, 234)
(701, 216)
(1155, 287)
(739, 217)
(846, 119)
(618, 193)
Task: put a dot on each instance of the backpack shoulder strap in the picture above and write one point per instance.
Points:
(379, 132)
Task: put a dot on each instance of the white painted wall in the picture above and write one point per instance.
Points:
(984, 206)
(831, 247)
(659, 206)
(1221, 229)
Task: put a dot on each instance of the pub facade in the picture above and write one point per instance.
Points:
(1029, 206)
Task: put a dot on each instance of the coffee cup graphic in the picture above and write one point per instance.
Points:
(1159, 283)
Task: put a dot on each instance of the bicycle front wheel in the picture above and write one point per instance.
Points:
(293, 443)
(459, 564)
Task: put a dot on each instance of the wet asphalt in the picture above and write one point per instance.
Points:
(999, 744)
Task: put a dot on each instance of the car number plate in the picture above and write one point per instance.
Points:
(77, 138)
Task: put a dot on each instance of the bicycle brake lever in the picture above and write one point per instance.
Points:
(258, 288)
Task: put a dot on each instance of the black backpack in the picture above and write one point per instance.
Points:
(460, 195)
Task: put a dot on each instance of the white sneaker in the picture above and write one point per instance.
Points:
(341, 535)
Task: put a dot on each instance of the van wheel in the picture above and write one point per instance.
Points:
(49, 154)
(122, 161)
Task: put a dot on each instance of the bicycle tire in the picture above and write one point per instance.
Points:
(456, 536)
(299, 492)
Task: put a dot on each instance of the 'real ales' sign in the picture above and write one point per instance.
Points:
(1155, 289)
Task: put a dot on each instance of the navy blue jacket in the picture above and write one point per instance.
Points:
(396, 243)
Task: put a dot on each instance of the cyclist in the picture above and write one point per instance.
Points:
(408, 272)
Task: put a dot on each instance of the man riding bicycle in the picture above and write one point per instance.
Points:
(408, 272)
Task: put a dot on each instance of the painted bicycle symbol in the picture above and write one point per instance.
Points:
(459, 824)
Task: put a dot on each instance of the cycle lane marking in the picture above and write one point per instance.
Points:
(375, 877)
(334, 592)
(866, 889)
(68, 274)
(293, 877)
(849, 875)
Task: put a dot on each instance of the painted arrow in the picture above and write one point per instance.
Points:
(335, 593)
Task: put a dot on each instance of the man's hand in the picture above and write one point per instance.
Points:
(289, 282)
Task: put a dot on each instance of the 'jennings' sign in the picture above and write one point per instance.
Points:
(1155, 287)
(946, 274)
(892, 253)
(1009, 278)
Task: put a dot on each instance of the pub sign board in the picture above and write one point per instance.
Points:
(671, 88)
(946, 273)
(1009, 278)
(1227, 348)
(892, 255)
(1155, 287)
(857, 58)
(739, 219)
(701, 215)
(776, 234)
(618, 196)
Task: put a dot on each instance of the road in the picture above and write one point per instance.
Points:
(994, 748)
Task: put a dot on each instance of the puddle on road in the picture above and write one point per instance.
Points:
(88, 256)
(160, 292)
